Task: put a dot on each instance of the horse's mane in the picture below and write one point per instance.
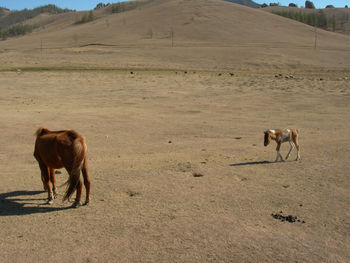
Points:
(41, 131)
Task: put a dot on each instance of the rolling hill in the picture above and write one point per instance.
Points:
(182, 33)
(248, 3)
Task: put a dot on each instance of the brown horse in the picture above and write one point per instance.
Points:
(58, 149)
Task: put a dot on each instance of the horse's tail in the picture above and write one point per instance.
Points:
(79, 150)
(41, 131)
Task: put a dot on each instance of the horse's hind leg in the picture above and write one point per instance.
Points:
(295, 141)
(53, 182)
(78, 196)
(298, 150)
(75, 175)
(86, 181)
(290, 150)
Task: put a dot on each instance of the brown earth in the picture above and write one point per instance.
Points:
(175, 150)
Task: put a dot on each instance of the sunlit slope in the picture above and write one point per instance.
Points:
(214, 24)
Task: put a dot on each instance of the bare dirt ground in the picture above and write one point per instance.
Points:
(148, 133)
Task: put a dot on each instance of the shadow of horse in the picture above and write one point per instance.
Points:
(251, 163)
(15, 203)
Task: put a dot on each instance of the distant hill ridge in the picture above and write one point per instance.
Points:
(8, 18)
(248, 3)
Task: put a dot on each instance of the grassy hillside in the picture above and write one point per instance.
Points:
(14, 23)
(173, 33)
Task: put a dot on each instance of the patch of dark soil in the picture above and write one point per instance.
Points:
(132, 193)
(197, 175)
(288, 218)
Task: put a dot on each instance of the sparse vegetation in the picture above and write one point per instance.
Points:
(15, 17)
(123, 6)
(86, 18)
(317, 18)
(15, 30)
(101, 5)
(11, 22)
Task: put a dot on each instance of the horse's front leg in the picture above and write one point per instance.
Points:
(53, 182)
(278, 153)
(45, 176)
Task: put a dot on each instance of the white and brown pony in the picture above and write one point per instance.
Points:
(281, 136)
(58, 149)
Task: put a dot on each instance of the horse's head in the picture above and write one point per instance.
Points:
(266, 138)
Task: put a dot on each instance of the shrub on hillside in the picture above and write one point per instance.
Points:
(16, 30)
(124, 6)
(86, 18)
(101, 5)
(318, 19)
(15, 17)
(309, 4)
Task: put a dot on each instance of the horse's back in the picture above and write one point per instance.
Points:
(58, 148)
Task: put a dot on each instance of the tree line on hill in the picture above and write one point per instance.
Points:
(321, 18)
(11, 22)
(317, 19)
(308, 5)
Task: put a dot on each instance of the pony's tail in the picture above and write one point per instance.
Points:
(80, 150)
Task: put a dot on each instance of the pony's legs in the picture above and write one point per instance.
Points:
(46, 180)
(298, 152)
(53, 181)
(290, 150)
(86, 181)
(75, 173)
(278, 153)
(295, 140)
(78, 196)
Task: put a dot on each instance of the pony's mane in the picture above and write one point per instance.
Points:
(41, 131)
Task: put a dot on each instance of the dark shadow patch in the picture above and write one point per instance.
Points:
(132, 193)
(250, 163)
(288, 218)
(17, 203)
(197, 175)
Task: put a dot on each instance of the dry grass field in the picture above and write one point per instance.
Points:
(175, 146)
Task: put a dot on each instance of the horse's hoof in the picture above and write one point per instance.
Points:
(86, 202)
(50, 202)
(76, 204)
